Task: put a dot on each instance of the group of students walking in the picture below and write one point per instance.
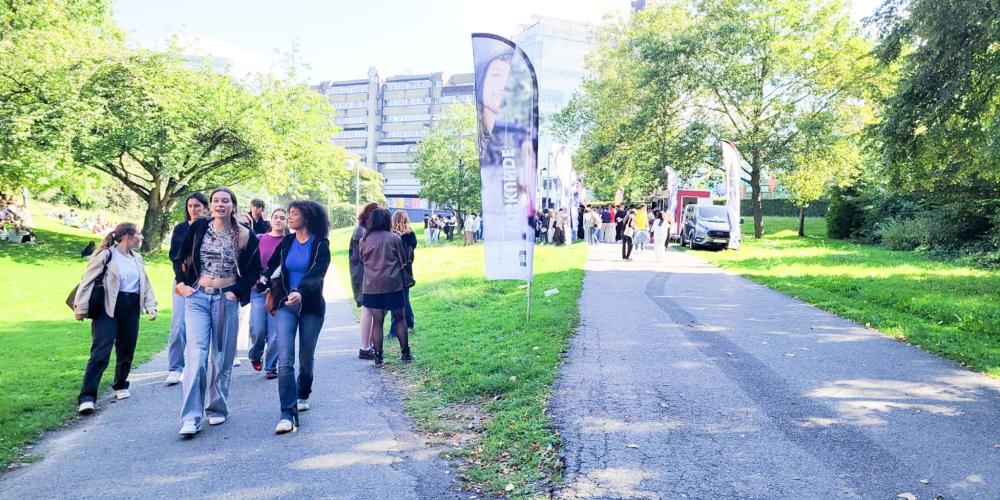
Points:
(221, 263)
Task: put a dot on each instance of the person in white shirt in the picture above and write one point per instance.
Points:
(659, 232)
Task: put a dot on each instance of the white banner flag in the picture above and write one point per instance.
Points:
(731, 161)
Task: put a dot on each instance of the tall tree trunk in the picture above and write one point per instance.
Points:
(802, 221)
(758, 223)
(156, 222)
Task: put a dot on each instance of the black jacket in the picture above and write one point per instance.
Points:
(247, 268)
(177, 239)
(311, 286)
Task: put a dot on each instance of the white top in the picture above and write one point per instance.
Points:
(128, 271)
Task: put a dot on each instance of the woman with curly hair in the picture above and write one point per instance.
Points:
(297, 296)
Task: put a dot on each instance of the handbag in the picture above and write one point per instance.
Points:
(96, 303)
(408, 280)
(277, 289)
(629, 231)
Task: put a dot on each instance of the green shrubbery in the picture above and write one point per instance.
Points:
(342, 215)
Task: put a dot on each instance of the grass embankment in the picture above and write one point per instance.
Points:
(945, 308)
(482, 377)
(44, 350)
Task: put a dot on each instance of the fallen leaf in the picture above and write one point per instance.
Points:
(509, 487)
(906, 496)
(631, 445)
(925, 481)
(513, 378)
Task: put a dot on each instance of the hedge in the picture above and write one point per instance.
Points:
(784, 208)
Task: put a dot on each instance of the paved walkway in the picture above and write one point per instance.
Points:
(354, 442)
(687, 382)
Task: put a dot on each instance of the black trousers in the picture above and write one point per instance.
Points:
(626, 247)
(120, 332)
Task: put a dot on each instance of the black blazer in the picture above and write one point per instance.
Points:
(247, 267)
(311, 286)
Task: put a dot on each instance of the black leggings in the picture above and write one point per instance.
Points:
(626, 247)
(378, 319)
(120, 332)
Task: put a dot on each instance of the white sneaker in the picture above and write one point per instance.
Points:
(173, 378)
(190, 428)
(122, 394)
(237, 362)
(303, 405)
(284, 425)
(86, 408)
(216, 420)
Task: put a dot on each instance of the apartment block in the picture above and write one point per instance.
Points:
(384, 119)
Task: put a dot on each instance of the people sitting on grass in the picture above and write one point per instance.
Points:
(127, 293)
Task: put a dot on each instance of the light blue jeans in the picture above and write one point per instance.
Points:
(307, 326)
(177, 340)
(641, 238)
(212, 324)
(263, 331)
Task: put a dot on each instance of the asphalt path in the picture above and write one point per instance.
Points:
(688, 382)
(354, 442)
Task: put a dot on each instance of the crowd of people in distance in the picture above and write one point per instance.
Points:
(224, 259)
(15, 222)
(636, 227)
(471, 228)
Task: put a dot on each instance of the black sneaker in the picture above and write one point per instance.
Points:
(406, 357)
(366, 354)
(271, 375)
(378, 358)
(256, 364)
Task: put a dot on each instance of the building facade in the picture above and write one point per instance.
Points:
(383, 120)
(557, 49)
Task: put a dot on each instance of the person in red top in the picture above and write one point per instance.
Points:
(263, 328)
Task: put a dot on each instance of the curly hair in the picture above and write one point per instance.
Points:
(365, 213)
(317, 220)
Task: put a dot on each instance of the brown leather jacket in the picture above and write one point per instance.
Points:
(384, 256)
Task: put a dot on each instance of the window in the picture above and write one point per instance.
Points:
(348, 89)
(407, 118)
(358, 151)
(396, 148)
(416, 84)
(408, 102)
(448, 99)
(351, 133)
(350, 105)
(405, 133)
(351, 121)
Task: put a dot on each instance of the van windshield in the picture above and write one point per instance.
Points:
(712, 214)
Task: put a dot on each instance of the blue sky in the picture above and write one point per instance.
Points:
(339, 40)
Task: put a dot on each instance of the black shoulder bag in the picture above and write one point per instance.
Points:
(96, 303)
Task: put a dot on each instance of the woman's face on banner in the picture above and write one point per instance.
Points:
(494, 84)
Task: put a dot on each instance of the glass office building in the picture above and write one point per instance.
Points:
(557, 49)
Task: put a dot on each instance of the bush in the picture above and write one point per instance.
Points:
(342, 215)
(784, 208)
(844, 216)
(899, 234)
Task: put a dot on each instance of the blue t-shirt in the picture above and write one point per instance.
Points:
(297, 261)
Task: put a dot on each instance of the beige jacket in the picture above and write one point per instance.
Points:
(111, 283)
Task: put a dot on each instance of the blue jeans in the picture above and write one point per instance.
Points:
(175, 345)
(263, 331)
(408, 314)
(212, 324)
(307, 326)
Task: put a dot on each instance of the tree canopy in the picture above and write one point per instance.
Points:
(776, 77)
(448, 161)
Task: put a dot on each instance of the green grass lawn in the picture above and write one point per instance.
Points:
(43, 347)
(482, 376)
(945, 308)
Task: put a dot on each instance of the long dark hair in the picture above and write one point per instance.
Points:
(122, 231)
(317, 221)
(196, 196)
(380, 220)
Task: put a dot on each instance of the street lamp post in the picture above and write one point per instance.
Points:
(357, 184)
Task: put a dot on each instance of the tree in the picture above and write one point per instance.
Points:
(764, 74)
(164, 129)
(448, 161)
(371, 187)
(939, 129)
(47, 51)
